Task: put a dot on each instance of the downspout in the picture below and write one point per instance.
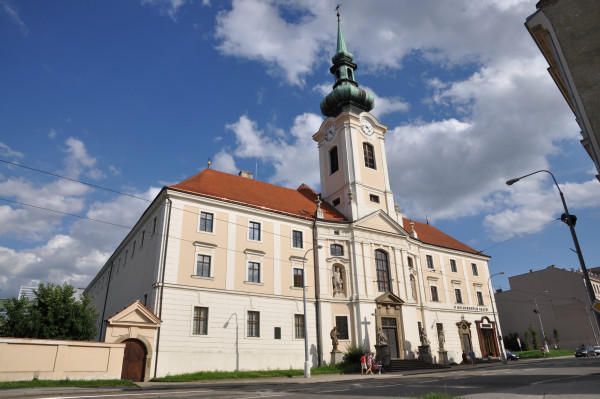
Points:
(162, 283)
(112, 263)
(317, 289)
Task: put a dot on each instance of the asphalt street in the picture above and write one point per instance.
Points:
(576, 378)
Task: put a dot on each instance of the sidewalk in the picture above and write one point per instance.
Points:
(36, 392)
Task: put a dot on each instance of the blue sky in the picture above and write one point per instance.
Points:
(135, 95)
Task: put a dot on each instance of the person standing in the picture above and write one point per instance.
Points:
(369, 364)
(363, 364)
(472, 356)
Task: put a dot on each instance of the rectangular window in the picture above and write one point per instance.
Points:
(369, 155)
(474, 269)
(434, 294)
(458, 295)
(206, 222)
(203, 266)
(342, 327)
(277, 333)
(200, 320)
(453, 266)
(254, 231)
(125, 258)
(480, 298)
(253, 324)
(298, 326)
(333, 161)
(133, 248)
(154, 226)
(143, 236)
(374, 198)
(298, 277)
(297, 239)
(336, 202)
(254, 272)
(429, 261)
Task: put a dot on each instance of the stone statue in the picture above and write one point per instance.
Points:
(382, 338)
(338, 285)
(423, 337)
(334, 338)
(441, 338)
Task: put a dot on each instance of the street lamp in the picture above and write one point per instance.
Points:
(570, 220)
(306, 362)
(537, 310)
(502, 356)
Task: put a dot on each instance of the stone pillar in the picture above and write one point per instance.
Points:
(425, 354)
(336, 356)
(443, 357)
(382, 354)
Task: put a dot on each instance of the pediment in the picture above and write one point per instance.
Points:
(380, 221)
(135, 314)
(389, 299)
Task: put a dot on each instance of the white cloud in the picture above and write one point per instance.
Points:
(6, 151)
(225, 163)
(166, 7)
(13, 13)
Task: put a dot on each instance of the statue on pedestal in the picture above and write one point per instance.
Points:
(441, 339)
(334, 338)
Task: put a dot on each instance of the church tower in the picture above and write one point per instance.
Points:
(354, 172)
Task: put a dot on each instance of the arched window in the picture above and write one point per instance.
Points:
(333, 161)
(383, 271)
(410, 262)
(349, 73)
(369, 155)
(336, 250)
(337, 75)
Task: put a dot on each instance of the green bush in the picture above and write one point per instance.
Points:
(351, 359)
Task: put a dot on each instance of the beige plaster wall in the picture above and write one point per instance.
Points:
(24, 359)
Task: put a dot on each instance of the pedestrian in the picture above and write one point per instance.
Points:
(472, 356)
(369, 364)
(544, 352)
(363, 364)
(464, 357)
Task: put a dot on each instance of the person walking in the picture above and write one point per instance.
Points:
(369, 364)
(363, 364)
(472, 356)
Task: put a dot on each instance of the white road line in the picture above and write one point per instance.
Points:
(122, 393)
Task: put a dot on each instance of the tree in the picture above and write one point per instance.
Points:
(510, 341)
(556, 340)
(527, 335)
(533, 333)
(55, 313)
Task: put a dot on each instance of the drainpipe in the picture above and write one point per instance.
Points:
(162, 282)
(112, 263)
(317, 289)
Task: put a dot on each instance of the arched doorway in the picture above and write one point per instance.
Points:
(134, 360)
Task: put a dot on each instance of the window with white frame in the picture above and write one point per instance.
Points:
(458, 295)
(254, 231)
(253, 272)
(206, 222)
(298, 326)
(480, 298)
(200, 321)
(453, 268)
(434, 294)
(336, 250)
(253, 324)
(297, 239)
(298, 277)
(341, 323)
(429, 261)
(474, 269)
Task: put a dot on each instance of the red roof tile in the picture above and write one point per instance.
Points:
(429, 234)
(258, 194)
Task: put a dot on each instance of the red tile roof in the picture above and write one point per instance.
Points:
(300, 203)
(429, 234)
(258, 194)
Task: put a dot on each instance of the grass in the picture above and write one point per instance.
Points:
(534, 354)
(65, 383)
(223, 375)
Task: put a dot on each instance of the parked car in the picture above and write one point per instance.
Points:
(584, 351)
(511, 355)
(597, 350)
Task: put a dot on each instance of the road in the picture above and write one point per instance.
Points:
(551, 378)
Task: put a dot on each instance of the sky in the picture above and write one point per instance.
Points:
(134, 95)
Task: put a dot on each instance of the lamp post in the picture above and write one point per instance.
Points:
(306, 362)
(502, 356)
(537, 310)
(570, 220)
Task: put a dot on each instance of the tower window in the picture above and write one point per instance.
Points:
(336, 202)
(383, 271)
(349, 73)
(369, 155)
(337, 75)
(374, 198)
(333, 161)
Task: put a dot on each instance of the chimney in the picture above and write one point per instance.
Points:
(246, 174)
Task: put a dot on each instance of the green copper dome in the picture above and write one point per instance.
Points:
(345, 92)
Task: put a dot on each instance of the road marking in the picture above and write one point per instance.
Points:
(558, 379)
(122, 393)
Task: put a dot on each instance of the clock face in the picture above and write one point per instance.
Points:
(330, 132)
(366, 127)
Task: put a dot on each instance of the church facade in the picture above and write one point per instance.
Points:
(221, 261)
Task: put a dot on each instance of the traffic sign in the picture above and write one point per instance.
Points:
(596, 306)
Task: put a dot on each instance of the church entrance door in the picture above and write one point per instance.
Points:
(133, 361)
(390, 330)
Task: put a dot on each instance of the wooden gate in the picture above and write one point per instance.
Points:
(134, 361)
